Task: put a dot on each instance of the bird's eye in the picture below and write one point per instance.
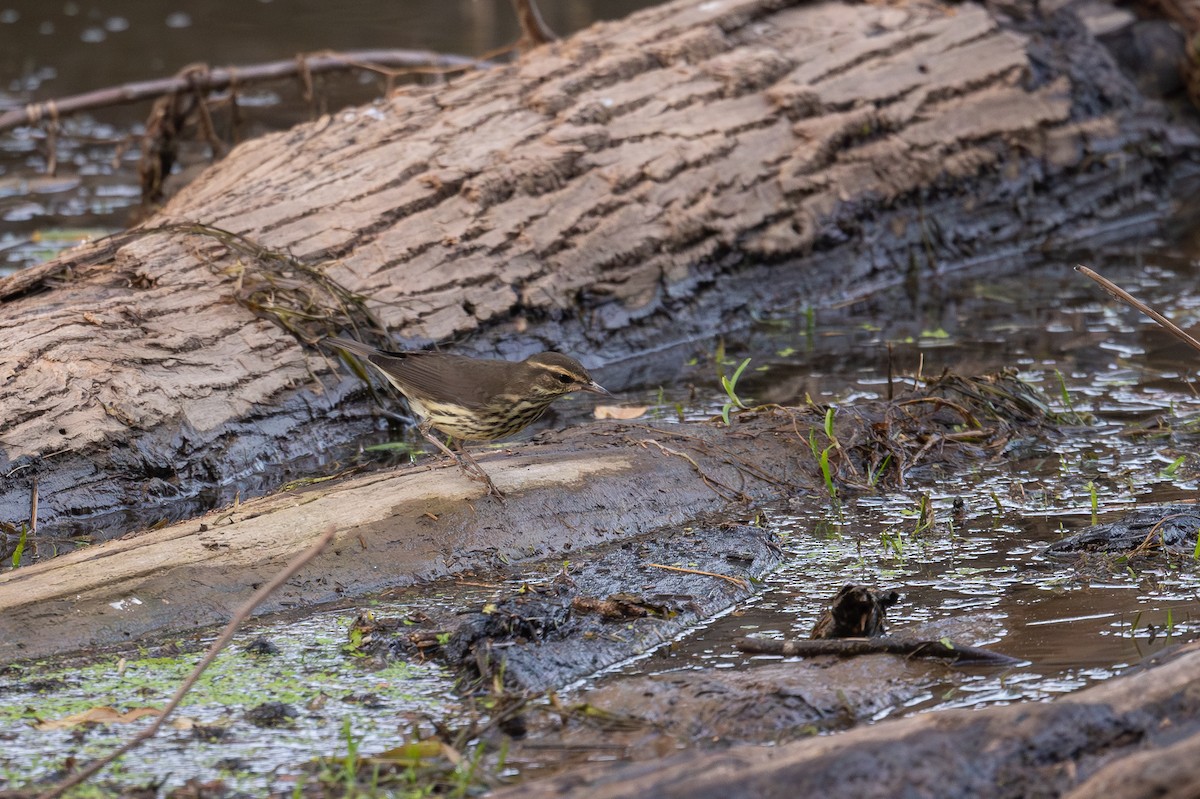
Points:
(564, 379)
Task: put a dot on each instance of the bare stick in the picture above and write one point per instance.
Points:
(1127, 298)
(738, 581)
(223, 78)
(222, 640)
(534, 30)
(711, 482)
(851, 647)
(33, 500)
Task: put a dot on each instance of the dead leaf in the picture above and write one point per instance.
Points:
(620, 411)
(99, 715)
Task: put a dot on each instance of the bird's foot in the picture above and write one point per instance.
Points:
(470, 467)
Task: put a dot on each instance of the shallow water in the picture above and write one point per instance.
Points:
(1074, 621)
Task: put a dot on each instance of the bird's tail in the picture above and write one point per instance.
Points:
(352, 346)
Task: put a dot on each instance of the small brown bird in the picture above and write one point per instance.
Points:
(475, 399)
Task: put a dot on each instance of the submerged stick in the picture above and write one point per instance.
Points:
(64, 785)
(1127, 298)
(885, 644)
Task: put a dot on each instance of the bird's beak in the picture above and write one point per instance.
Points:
(596, 388)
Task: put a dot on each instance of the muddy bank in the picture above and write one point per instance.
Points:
(605, 605)
(770, 702)
(641, 183)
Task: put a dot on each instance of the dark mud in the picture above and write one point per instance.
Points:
(605, 606)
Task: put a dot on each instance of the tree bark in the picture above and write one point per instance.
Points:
(643, 182)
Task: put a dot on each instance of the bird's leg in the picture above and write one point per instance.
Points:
(469, 465)
(477, 472)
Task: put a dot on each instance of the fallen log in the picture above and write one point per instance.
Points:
(641, 183)
(1099, 741)
(394, 529)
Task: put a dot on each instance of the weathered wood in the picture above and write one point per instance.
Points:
(393, 529)
(1079, 744)
(642, 182)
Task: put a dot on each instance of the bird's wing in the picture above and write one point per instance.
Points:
(470, 382)
(438, 376)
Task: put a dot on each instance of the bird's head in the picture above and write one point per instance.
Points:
(554, 374)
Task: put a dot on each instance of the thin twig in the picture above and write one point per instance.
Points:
(738, 581)
(729, 457)
(1127, 298)
(1148, 541)
(33, 503)
(711, 482)
(534, 30)
(222, 640)
(943, 402)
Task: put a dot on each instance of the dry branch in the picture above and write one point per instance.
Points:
(1132, 301)
(884, 644)
(210, 80)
